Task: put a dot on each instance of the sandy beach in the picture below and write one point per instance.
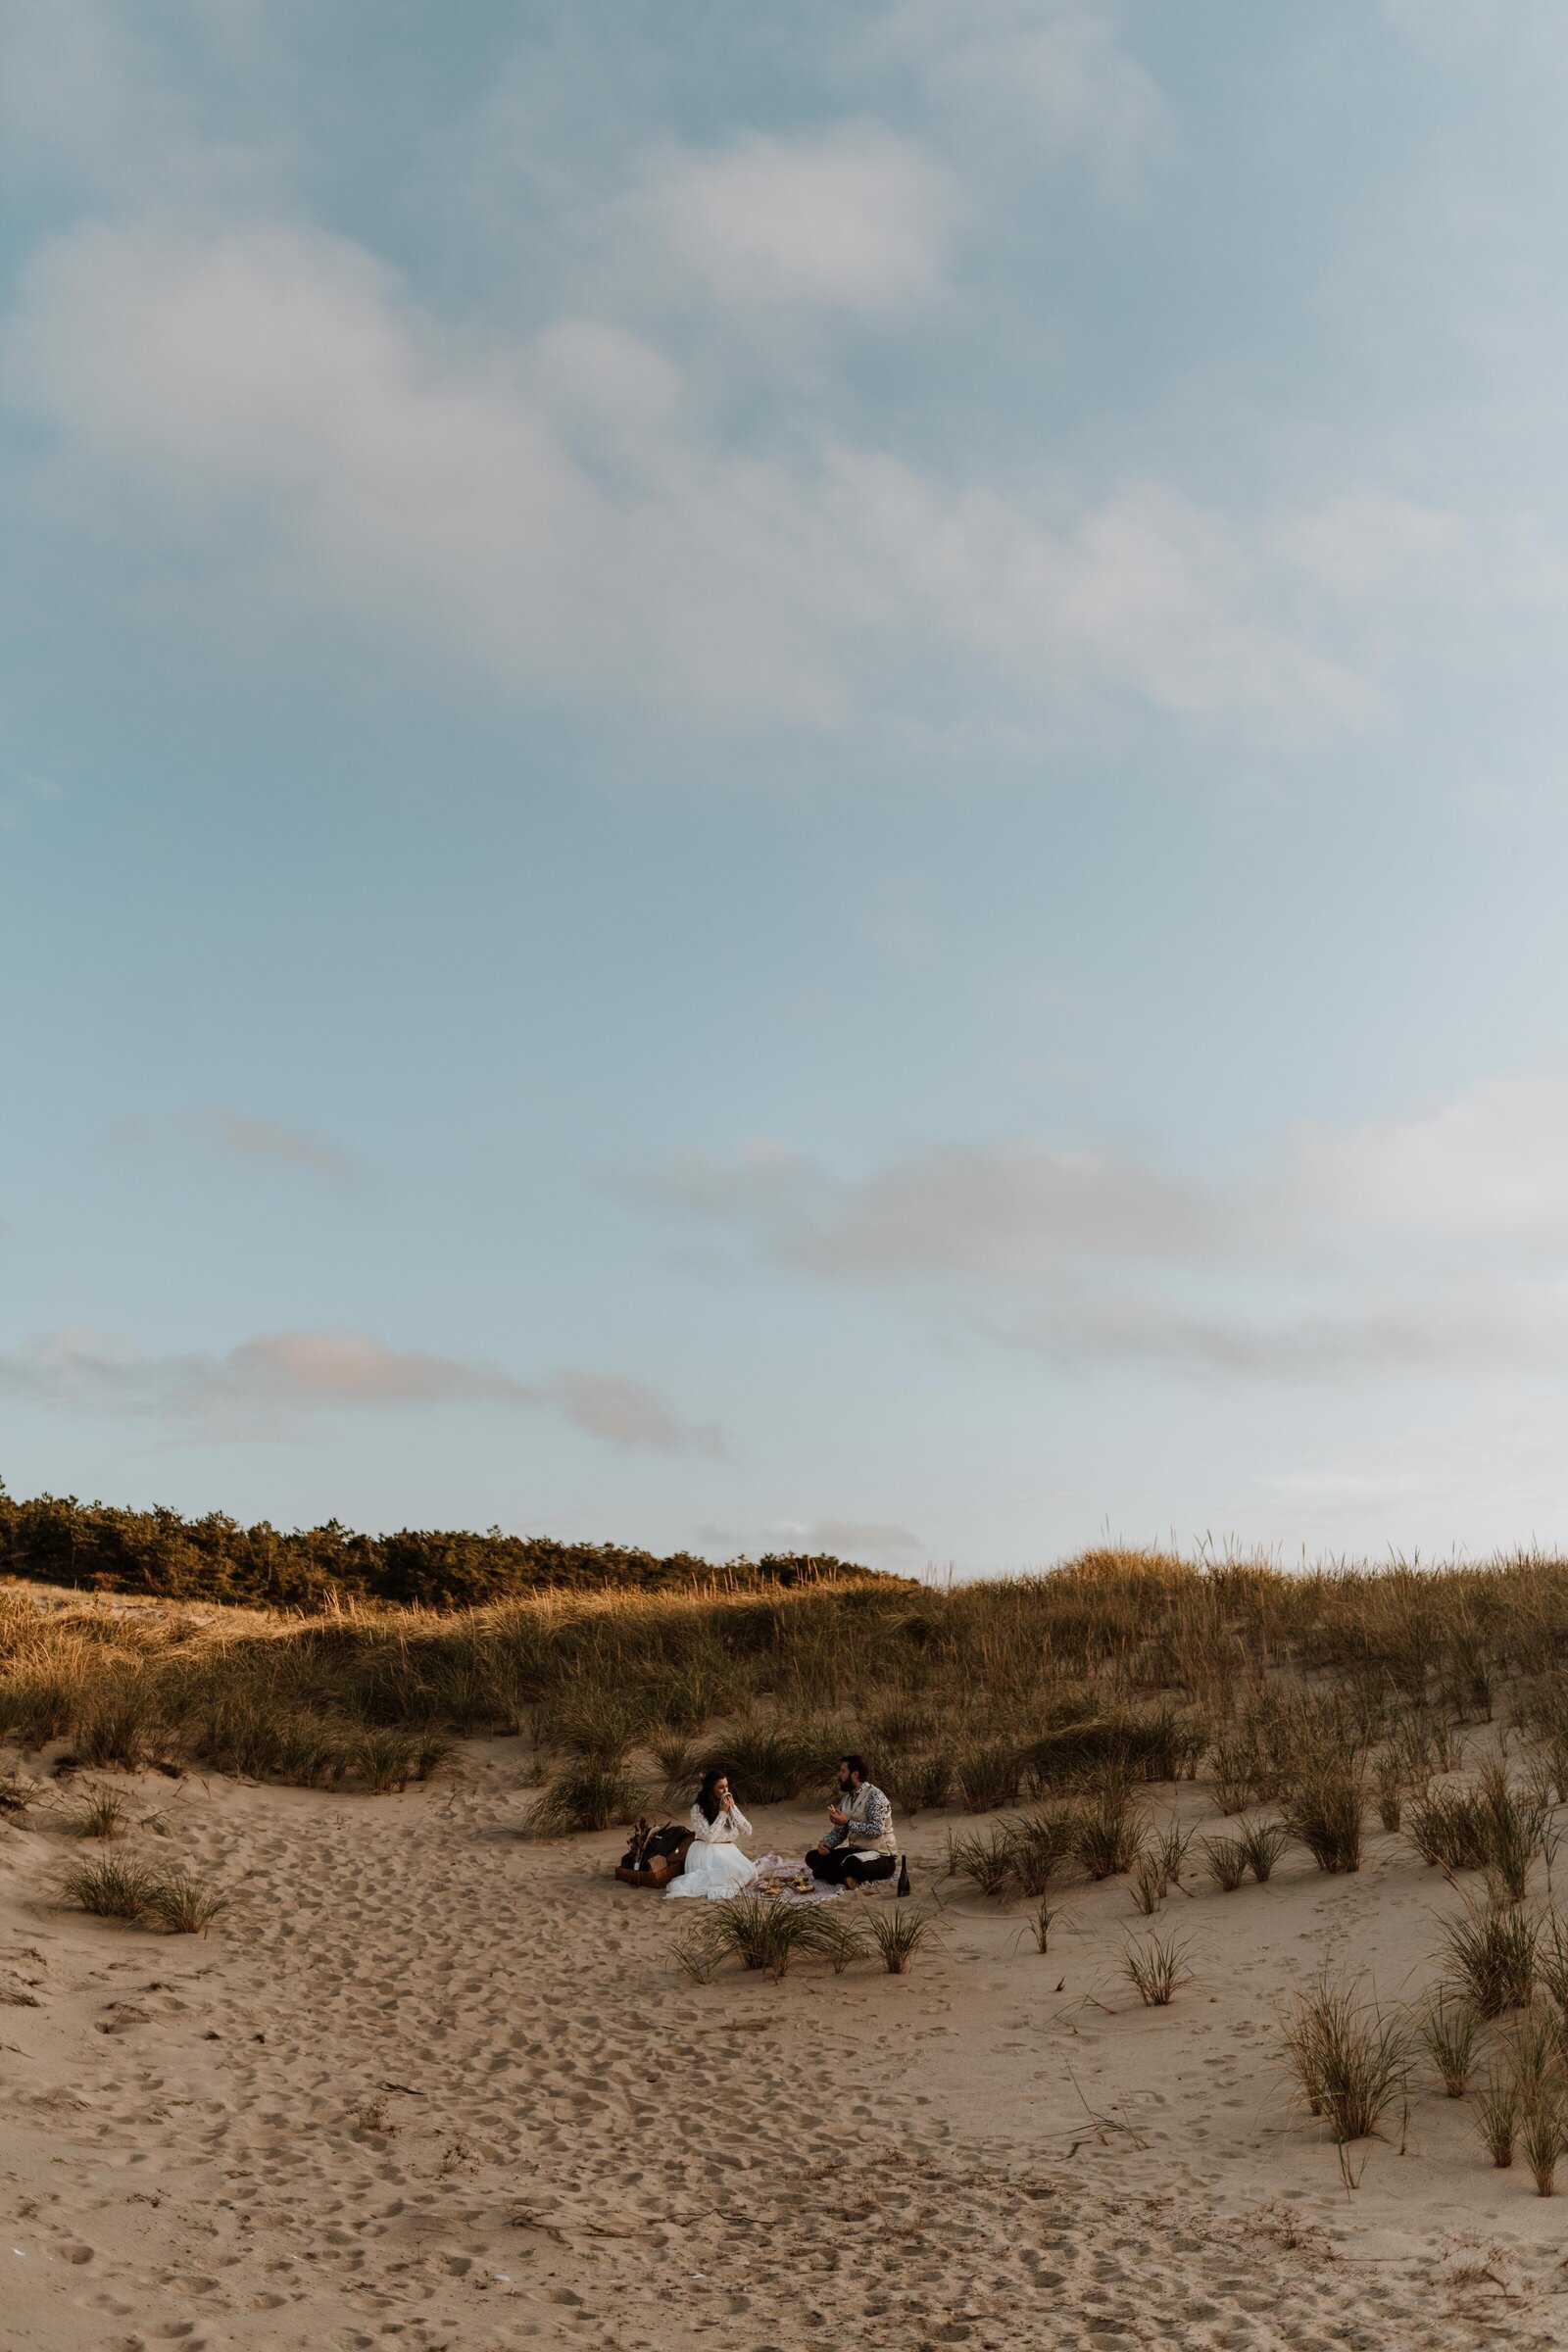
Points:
(427, 2084)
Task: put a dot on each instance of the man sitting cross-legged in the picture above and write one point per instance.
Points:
(860, 1843)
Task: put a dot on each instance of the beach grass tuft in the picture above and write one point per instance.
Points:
(897, 1933)
(98, 1813)
(1493, 1953)
(1448, 2027)
(585, 1796)
(1156, 1965)
(1225, 1860)
(1497, 2118)
(1351, 2061)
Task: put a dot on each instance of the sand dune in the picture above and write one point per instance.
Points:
(430, 2086)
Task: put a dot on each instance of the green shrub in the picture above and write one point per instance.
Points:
(55, 1540)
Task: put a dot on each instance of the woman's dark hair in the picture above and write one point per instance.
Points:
(855, 1764)
(707, 1802)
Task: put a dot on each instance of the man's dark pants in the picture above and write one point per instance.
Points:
(843, 1862)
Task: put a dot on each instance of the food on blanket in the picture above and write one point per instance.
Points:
(784, 1879)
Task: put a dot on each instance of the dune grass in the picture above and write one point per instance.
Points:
(1166, 1850)
(1156, 1965)
(1497, 2118)
(1263, 1842)
(1024, 1855)
(1106, 1832)
(897, 1934)
(762, 1934)
(121, 1887)
(97, 1813)
(111, 1886)
(1449, 2026)
(1225, 1860)
(1149, 1887)
(1068, 1694)
(1493, 1954)
(1041, 1919)
(1493, 1827)
(989, 1862)
(1325, 1807)
(920, 1779)
(586, 1796)
(1544, 2128)
(1351, 2061)
(184, 1905)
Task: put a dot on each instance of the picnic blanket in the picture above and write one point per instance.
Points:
(786, 1879)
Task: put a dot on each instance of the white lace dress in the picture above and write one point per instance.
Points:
(715, 1864)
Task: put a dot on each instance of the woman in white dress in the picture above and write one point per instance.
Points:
(715, 1864)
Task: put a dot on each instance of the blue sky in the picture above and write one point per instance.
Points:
(789, 777)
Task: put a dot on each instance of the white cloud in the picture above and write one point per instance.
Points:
(984, 1212)
(1492, 1164)
(1337, 1330)
(1367, 542)
(272, 1384)
(853, 220)
(628, 1414)
(1495, 1468)
(1055, 70)
(112, 105)
(1435, 1243)
(551, 513)
(846, 1539)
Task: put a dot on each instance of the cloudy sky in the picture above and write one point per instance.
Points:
(789, 775)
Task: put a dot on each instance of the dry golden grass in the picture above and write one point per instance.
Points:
(1351, 2062)
(1311, 1690)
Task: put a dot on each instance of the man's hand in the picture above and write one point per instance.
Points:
(837, 1818)
(822, 1849)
